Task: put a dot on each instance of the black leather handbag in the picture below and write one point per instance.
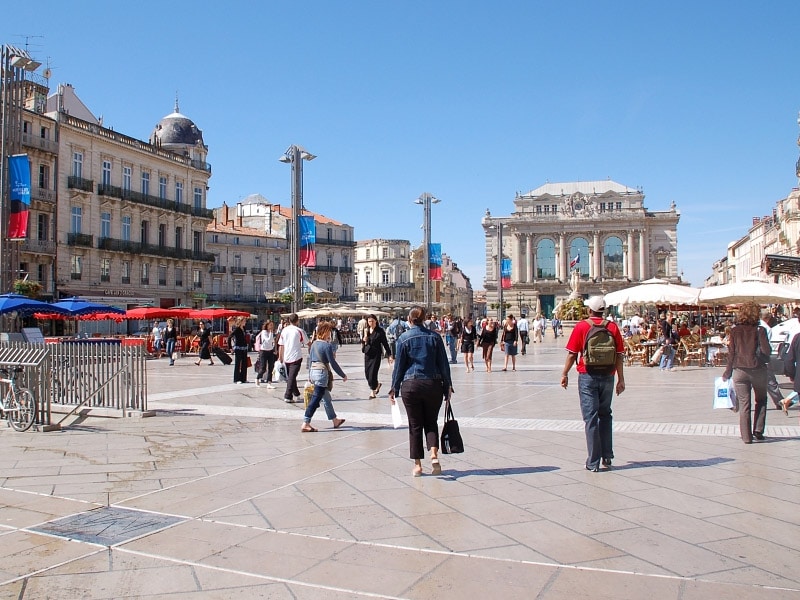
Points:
(451, 436)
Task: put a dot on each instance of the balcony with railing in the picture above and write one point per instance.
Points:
(38, 246)
(80, 239)
(79, 183)
(331, 242)
(330, 269)
(259, 271)
(238, 270)
(219, 269)
(129, 247)
(113, 191)
(42, 194)
(278, 272)
(40, 143)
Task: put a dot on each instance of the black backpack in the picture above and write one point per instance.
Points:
(599, 349)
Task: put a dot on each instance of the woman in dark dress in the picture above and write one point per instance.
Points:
(205, 344)
(487, 341)
(510, 336)
(237, 340)
(467, 340)
(373, 345)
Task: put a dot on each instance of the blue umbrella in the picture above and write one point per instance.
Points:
(76, 307)
(25, 306)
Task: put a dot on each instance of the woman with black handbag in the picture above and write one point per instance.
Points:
(747, 352)
(422, 377)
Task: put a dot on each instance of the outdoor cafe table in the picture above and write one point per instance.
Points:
(651, 346)
(708, 345)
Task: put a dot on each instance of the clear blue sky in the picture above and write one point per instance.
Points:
(695, 102)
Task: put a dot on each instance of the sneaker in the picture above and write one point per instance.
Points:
(606, 462)
(270, 386)
(258, 383)
(289, 400)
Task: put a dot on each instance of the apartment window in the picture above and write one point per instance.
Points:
(41, 272)
(105, 225)
(345, 260)
(402, 276)
(179, 192)
(214, 238)
(385, 276)
(145, 183)
(237, 287)
(330, 233)
(197, 241)
(162, 235)
(619, 206)
(367, 277)
(105, 269)
(77, 164)
(106, 177)
(554, 208)
(42, 227)
(198, 198)
(367, 254)
(257, 242)
(145, 273)
(237, 261)
(126, 228)
(178, 276)
(329, 260)
(162, 275)
(602, 207)
(197, 279)
(44, 133)
(179, 237)
(126, 179)
(162, 188)
(547, 209)
(44, 177)
(258, 288)
(538, 209)
(236, 241)
(257, 262)
(145, 232)
(76, 266)
(126, 271)
(385, 252)
(76, 219)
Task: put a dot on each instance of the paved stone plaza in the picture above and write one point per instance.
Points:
(220, 496)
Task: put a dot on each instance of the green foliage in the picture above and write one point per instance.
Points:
(28, 288)
(572, 310)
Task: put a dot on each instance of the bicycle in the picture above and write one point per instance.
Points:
(74, 385)
(18, 406)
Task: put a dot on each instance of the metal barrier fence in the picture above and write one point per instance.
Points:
(71, 376)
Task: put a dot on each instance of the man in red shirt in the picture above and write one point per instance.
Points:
(595, 389)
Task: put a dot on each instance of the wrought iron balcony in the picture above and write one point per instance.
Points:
(331, 269)
(129, 247)
(79, 183)
(80, 239)
(38, 246)
(330, 242)
(154, 201)
(279, 272)
(239, 270)
(259, 271)
(218, 269)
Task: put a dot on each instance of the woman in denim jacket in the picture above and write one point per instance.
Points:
(422, 377)
(321, 359)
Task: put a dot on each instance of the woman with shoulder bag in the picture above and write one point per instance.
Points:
(374, 343)
(747, 352)
(265, 340)
(321, 360)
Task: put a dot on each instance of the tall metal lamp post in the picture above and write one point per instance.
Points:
(500, 301)
(426, 200)
(295, 155)
(14, 63)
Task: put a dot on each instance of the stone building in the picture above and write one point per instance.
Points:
(590, 237)
(383, 271)
(131, 215)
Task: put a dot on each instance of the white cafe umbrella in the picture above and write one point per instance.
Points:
(653, 291)
(760, 292)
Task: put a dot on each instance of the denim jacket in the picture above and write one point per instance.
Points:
(420, 354)
(322, 352)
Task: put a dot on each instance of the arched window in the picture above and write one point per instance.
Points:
(546, 260)
(612, 258)
(579, 247)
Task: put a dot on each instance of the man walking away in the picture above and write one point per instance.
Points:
(453, 333)
(773, 390)
(522, 327)
(290, 347)
(597, 346)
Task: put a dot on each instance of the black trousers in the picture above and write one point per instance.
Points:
(240, 366)
(267, 359)
(292, 369)
(423, 400)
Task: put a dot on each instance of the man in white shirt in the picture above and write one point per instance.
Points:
(523, 327)
(290, 353)
(157, 333)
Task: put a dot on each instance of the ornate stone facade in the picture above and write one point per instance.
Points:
(601, 229)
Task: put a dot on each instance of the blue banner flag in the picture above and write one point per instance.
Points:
(20, 178)
(505, 273)
(308, 232)
(435, 264)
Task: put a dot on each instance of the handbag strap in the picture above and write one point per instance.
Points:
(448, 412)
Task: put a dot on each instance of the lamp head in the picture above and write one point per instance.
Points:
(285, 159)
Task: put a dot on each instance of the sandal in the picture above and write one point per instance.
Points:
(307, 428)
(785, 406)
(436, 468)
(417, 472)
(337, 423)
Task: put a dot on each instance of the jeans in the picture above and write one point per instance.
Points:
(667, 357)
(451, 343)
(319, 377)
(596, 393)
(170, 349)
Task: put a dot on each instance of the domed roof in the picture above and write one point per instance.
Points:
(176, 129)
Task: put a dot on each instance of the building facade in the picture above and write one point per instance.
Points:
(383, 271)
(131, 215)
(589, 238)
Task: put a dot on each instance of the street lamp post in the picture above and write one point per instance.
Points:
(520, 300)
(14, 63)
(500, 302)
(426, 200)
(295, 155)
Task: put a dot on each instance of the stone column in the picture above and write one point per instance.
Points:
(561, 263)
(531, 257)
(642, 256)
(595, 271)
(628, 260)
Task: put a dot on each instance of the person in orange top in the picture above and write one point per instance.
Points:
(595, 390)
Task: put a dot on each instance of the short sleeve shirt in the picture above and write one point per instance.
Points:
(292, 339)
(577, 340)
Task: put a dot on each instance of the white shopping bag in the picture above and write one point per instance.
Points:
(397, 418)
(724, 396)
(279, 372)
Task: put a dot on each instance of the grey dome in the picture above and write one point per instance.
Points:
(176, 130)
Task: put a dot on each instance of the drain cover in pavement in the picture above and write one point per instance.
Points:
(107, 526)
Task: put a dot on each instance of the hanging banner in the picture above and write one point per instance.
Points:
(505, 273)
(435, 265)
(20, 178)
(308, 232)
(308, 257)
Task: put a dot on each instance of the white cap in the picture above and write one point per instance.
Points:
(596, 304)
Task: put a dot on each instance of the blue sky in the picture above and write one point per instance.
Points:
(695, 102)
